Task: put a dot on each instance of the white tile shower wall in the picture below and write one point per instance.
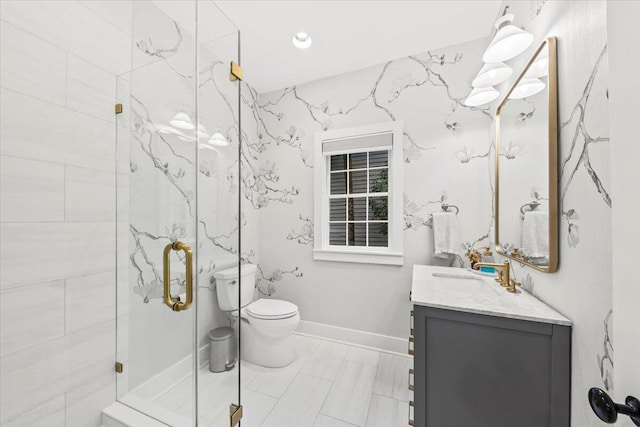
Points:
(57, 191)
(447, 149)
(581, 289)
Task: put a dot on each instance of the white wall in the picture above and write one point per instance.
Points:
(57, 214)
(624, 90)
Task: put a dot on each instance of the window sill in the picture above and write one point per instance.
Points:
(362, 257)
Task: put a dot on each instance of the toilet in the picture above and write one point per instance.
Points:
(267, 324)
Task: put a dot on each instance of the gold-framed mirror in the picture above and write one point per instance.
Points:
(526, 176)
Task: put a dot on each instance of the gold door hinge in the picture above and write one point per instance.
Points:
(118, 108)
(412, 406)
(236, 72)
(235, 412)
(119, 367)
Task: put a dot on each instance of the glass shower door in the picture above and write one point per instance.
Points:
(177, 146)
(219, 216)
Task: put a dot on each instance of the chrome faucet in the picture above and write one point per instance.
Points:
(504, 274)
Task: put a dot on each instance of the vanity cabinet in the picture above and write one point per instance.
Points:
(482, 370)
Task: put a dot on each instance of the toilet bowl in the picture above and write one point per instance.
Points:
(266, 335)
(266, 325)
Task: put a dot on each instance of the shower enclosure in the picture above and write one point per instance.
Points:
(178, 210)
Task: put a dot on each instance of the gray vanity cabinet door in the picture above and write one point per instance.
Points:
(484, 371)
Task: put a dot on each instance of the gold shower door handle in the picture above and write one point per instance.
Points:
(173, 303)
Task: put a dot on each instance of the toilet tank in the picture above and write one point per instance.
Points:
(227, 286)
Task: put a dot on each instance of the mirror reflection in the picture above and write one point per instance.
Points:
(527, 225)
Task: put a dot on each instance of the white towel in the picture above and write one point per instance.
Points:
(535, 234)
(446, 238)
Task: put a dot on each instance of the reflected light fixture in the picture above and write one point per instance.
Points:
(218, 140)
(170, 130)
(509, 42)
(186, 138)
(480, 96)
(301, 40)
(164, 129)
(526, 88)
(202, 132)
(492, 74)
(540, 67)
(182, 121)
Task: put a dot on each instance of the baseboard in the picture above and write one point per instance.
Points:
(384, 343)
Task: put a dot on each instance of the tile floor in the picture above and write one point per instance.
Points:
(329, 385)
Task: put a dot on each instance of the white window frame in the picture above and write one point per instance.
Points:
(323, 251)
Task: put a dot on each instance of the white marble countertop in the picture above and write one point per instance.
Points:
(482, 295)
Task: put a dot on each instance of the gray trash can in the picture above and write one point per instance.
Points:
(222, 349)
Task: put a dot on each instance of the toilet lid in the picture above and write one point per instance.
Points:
(271, 309)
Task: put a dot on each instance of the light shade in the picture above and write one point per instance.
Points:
(526, 88)
(169, 130)
(539, 67)
(481, 96)
(509, 42)
(165, 129)
(301, 40)
(182, 121)
(218, 140)
(492, 74)
(186, 138)
(202, 132)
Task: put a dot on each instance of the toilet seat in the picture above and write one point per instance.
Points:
(271, 309)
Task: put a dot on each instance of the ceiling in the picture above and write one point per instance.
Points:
(347, 35)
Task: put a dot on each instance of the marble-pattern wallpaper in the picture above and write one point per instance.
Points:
(448, 157)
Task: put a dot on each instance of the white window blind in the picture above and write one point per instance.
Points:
(374, 142)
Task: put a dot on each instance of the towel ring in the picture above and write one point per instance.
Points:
(445, 208)
(532, 206)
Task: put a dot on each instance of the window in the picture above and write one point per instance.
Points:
(359, 199)
(358, 194)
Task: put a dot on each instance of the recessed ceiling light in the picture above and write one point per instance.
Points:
(301, 40)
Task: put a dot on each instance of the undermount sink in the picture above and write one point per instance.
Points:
(460, 290)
